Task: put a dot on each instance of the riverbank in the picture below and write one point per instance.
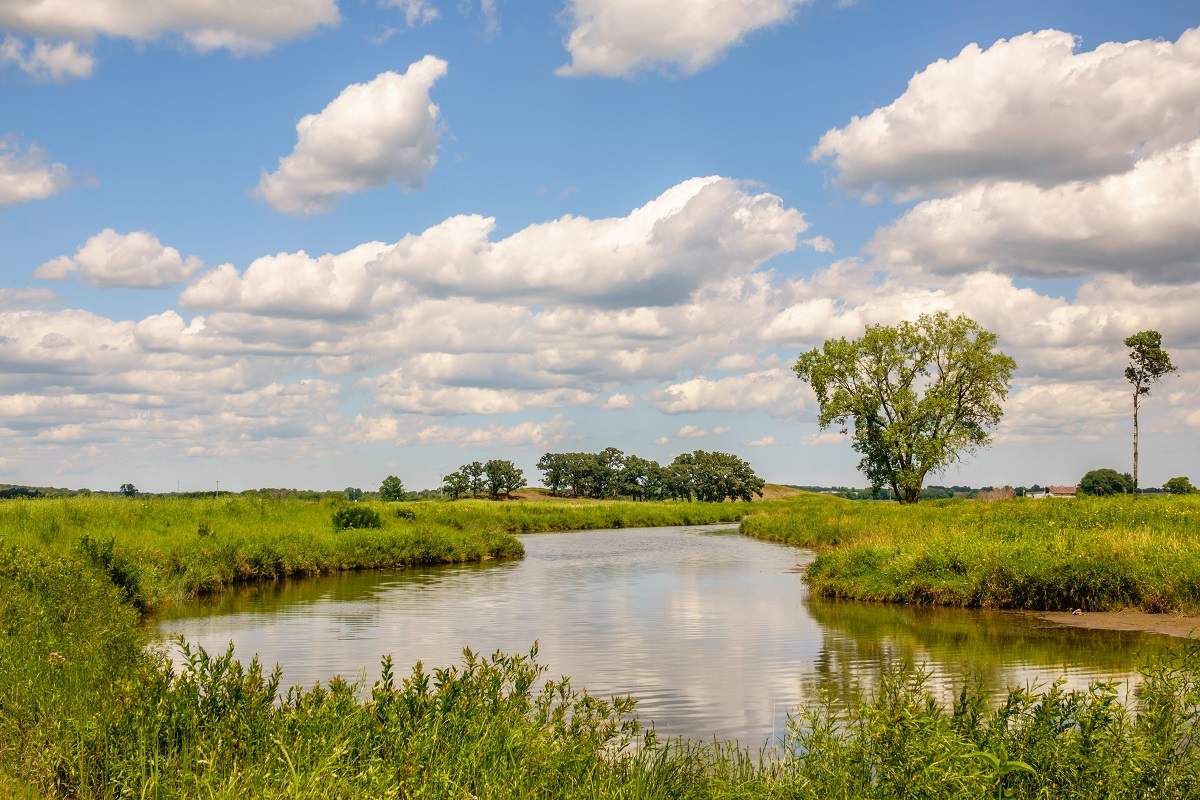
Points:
(163, 549)
(86, 711)
(1094, 554)
(1183, 626)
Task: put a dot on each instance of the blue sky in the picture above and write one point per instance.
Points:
(164, 133)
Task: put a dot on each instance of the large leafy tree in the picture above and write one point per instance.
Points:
(503, 477)
(392, 488)
(1103, 482)
(1147, 363)
(456, 485)
(476, 480)
(1179, 485)
(712, 477)
(919, 395)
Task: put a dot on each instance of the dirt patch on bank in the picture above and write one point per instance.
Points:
(1167, 624)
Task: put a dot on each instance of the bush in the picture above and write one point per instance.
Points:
(406, 513)
(349, 517)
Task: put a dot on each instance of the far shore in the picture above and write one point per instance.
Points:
(1180, 625)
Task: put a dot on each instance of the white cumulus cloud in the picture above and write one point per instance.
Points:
(26, 174)
(1030, 108)
(129, 260)
(694, 232)
(205, 24)
(617, 38)
(774, 390)
(1145, 221)
(384, 131)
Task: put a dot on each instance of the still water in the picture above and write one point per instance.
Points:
(713, 632)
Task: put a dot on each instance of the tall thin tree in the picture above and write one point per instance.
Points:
(1147, 363)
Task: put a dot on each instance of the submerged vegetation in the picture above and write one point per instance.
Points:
(87, 711)
(161, 548)
(1089, 553)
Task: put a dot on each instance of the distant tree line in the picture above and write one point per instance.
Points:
(495, 479)
(610, 473)
(880, 493)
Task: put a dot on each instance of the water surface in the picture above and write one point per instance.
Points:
(713, 632)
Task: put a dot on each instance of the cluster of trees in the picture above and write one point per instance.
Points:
(493, 479)
(1104, 482)
(610, 473)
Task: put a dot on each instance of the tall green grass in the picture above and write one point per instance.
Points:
(86, 711)
(1089, 553)
(159, 549)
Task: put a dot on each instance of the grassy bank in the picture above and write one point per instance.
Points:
(87, 712)
(1089, 553)
(159, 549)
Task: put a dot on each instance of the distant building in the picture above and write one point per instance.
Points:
(1061, 492)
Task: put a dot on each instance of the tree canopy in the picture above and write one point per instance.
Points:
(1103, 482)
(610, 473)
(392, 488)
(495, 478)
(919, 395)
(1179, 485)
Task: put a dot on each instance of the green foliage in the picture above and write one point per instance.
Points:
(503, 478)
(714, 477)
(128, 490)
(476, 477)
(1104, 482)
(709, 477)
(405, 513)
(348, 517)
(1092, 553)
(456, 485)
(391, 489)
(1148, 361)
(919, 395)
(352, 494)
(87, 711)
(1179, 485)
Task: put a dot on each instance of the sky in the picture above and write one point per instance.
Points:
(314, 242)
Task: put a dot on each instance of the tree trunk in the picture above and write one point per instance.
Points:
(1135, 444)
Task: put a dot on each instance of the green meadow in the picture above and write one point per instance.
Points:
(1096, 554)
(160, 549)
(89, 710)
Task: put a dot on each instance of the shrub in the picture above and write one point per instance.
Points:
(406, 513)
(349, 517)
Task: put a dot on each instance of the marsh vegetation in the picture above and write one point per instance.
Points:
(1088, 553)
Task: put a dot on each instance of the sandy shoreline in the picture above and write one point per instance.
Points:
(1167, 624)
